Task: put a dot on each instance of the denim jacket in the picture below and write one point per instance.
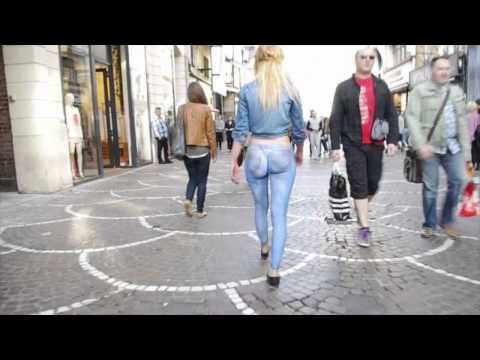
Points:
(251, 117)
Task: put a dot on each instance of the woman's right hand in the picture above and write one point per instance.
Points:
(299, 158)
(299, 154)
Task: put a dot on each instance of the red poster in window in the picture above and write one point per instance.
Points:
(76, 120)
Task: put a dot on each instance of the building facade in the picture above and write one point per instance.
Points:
(69, 113)
(399, 61)
(74, 111)
(409, 65)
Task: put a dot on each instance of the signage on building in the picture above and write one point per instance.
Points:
(398, 77)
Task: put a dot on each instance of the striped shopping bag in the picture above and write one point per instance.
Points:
(338, 195)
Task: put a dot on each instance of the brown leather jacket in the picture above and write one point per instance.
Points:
(199, 126)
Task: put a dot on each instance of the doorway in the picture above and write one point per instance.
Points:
(113, 124)
(108, 129)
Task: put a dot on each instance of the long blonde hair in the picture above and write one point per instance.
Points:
(271, 78)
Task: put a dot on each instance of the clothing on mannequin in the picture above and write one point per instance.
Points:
(75, 136)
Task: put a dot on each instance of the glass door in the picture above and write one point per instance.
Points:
(108, 129)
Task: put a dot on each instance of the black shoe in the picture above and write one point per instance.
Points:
(169, 162)
(161, 162)
(273, 280)
(263, 255)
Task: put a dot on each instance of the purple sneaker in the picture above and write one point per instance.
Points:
(363, 237)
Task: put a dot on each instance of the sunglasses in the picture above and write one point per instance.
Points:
(364, 57)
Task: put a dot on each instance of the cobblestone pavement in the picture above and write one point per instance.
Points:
(122, 245)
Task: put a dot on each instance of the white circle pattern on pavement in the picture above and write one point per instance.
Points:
(227, 288)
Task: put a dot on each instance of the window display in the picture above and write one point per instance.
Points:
(121, 104)
(80, 119)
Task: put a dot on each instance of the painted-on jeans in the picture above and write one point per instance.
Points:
(454, 166)
(274, 163)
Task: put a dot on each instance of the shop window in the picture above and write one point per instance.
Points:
(121, 105)
(80, 119)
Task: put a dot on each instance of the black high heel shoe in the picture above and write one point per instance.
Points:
(264, 255)
(273, 280)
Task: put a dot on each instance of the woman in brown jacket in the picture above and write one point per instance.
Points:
(200, 145)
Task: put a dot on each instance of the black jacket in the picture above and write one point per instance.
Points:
(345, 121)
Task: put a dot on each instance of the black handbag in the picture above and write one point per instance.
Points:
(412, 164)
(178, 137)
(241, 157)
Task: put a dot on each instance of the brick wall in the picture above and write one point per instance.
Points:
(7, 164)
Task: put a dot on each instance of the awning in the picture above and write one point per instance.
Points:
(399, 89)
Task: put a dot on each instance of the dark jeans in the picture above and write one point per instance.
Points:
(475, 154)
(198, 175)
(325, 145)
(229, 140)
(219, 140)
(162, 144)
(364, 168)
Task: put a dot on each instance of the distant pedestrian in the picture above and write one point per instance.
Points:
(307, 134)
(324, 137)
(402, 131)
(268, 108)
(229, 126)
(160, 130)
(200, 146)
(219, 129)
(314, 127)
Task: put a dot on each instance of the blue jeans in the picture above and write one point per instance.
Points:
(454, 168)
(274, 162)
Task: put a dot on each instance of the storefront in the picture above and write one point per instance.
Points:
(81, 109)
(82, 127)
(107, 107)
(397, 80)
